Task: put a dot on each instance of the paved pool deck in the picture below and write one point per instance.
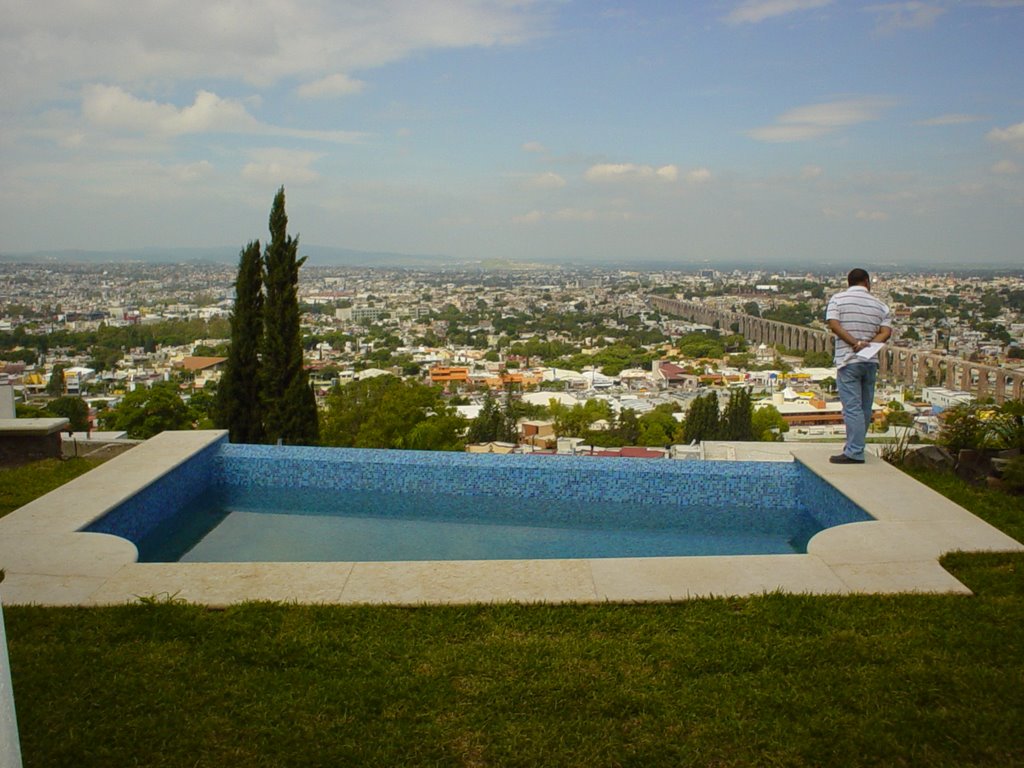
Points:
(48, 562)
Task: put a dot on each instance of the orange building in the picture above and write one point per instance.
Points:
(521, 380)
(447, 374)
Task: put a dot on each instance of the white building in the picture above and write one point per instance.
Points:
(943, 398)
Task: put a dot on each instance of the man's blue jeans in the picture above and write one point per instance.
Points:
(856, 385)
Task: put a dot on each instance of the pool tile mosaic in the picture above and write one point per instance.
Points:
(734, 488)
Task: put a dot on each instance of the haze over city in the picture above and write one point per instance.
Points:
(765, 131)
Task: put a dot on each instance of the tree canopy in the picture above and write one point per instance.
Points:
(387, 412)
(148, 412)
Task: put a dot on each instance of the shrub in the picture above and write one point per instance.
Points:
(1013, 474)
(978, 426)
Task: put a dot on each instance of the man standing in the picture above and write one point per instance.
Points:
(857, 319)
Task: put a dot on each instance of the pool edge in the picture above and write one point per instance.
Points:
(896, 552)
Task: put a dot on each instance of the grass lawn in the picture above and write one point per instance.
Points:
(773, 680)
(20, 485)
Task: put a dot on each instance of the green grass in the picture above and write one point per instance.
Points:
(776, 680)
(20, 485)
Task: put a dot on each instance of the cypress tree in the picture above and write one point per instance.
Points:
(738, 417)
(702, 420)
(290, 406)
(487, 424)
(239, 406)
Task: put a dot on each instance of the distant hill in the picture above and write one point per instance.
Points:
(325, 256)
(330, 256)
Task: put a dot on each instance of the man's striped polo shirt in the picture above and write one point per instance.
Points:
(861, 314)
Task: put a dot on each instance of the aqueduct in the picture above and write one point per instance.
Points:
(913, 367)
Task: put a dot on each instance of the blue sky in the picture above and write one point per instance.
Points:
(807, 131)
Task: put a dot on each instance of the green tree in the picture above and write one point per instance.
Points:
(29, 356)
(767, 424)
(73, 408)
(487, 426)
(702, 420)
(387, 412)
(795, 314)
(657, 427)
(55, 385)
(818, 359)
(627, 427)
(147, 412)
(737, 418)
(203, 405)
(577, 420)
(290, 404)
(239, 401)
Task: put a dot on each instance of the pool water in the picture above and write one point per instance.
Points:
(239, 524)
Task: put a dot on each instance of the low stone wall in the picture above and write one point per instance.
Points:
(97, 449)
(25, 440)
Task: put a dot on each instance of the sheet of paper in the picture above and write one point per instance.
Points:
(870, 351)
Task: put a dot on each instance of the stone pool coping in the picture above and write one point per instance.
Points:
(48, 562)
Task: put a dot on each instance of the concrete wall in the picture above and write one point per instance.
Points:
(25, 440)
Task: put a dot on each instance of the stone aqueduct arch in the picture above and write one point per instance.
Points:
(913, 367)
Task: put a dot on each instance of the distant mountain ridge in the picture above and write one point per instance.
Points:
(331, 256)
(319, 255)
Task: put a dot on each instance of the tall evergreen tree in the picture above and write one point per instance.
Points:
(487, 424)
(239, 404)
(702, 420)
(738, 417)
(290, 414)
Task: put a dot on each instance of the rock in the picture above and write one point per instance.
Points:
(933, 457)
(974, 466)
(994, 483)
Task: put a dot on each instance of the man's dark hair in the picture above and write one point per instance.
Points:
(857, 276)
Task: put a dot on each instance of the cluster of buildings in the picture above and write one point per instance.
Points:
(461, 329)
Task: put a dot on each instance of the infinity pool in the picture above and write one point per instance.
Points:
(234, 503)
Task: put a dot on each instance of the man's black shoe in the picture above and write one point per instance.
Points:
(842, 458)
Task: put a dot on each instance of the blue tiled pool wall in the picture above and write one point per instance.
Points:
(680, 483)
(162, 499)
(566, 513)
(825, 503)
(736, 488)
(726, 485)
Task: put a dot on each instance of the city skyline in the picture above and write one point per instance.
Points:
(765, 131)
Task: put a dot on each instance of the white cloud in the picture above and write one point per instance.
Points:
(610, 172)
(529, 218)
(112, 108)
(259, 42)
(755, 11)
(1012, 135)
(667, 172)
(546, 180)
(816, 120)
(909, 15)
(331, 86)
(955, 118)
(809, 172)
(273, 167)
(190, 172)
(1005, 168)
(574, 215)
(872, 215)
(533, 146)
(698, 176)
